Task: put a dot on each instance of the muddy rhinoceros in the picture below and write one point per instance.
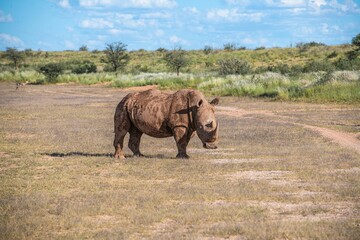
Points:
(159, 114)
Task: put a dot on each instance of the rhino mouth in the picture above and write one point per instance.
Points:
(209, 145)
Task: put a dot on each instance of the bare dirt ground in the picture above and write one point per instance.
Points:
(283, 170)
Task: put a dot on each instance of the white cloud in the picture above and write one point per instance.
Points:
(293, 3)
(297, 11)
(96, 3)
(116, 31)
(11, 41)
(192, 10)
(159, 33)
(233, 15)
(70, 29)
(64, 4)
(348, 6)
(248, 41)
(5, 17)
(96, 23)
(128, 20)
(129, 3)
(317, 3)
(176, 40)
(69, 44)
(159, 15)
(326, 29)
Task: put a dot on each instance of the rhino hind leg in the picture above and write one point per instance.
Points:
(134, 141)
(122, 125)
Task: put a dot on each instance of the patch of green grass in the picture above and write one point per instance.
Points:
(164, 80)
(30, 76)
(86, 78)
(335, 92)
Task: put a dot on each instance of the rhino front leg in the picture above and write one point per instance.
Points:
(181, 139)
(134, 141)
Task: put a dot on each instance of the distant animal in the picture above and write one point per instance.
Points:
(160, 114)
(20, 84)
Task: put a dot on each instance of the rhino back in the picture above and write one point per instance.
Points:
(149, 112)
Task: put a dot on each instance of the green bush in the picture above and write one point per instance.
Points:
(208, 49)
(233, 66)
(229, 46)
(85, 67)
(316, 66)
(51, 71)
(347, 64)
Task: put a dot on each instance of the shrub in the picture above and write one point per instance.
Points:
(356, 40)
(51, 71)
(281, 68)
(208, 49)
(229, 46)
(332, 55)
(303, 47)
(161, 50)
(316, 66)
(347, 64)
(260, 48)
(83, 48)
(85, 67)
(233, 66)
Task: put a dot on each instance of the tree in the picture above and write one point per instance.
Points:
(15, 56)
(176, 59)
(352, 55)
(116, 56)
(356, 41)
(83, 48)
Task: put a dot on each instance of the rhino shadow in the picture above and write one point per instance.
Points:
(110, 155)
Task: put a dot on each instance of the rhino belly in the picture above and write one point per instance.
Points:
(151, 121)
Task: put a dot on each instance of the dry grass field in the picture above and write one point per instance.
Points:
(283, 170)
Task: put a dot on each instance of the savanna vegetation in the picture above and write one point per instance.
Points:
(308, 71)
(282, 170)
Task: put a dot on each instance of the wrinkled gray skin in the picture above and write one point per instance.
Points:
(161, 115)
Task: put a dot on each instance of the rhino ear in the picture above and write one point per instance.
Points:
(215, 101)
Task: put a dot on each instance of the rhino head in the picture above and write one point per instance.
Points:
(206, 125)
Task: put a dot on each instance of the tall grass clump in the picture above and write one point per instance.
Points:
(30, 76)
(87, 78)
(333, 92)
(163, 80)
(257, 85)
(332, 87)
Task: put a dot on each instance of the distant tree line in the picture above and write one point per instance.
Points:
(116, 58)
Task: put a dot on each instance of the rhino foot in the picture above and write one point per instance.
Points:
(182, 155)
(139, 155)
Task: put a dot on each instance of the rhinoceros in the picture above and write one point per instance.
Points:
(160, 115)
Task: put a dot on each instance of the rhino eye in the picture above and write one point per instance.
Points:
(209, 125)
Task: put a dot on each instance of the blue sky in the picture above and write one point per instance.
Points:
(56, 25)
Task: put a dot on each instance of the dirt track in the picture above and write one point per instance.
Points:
(344, 139)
